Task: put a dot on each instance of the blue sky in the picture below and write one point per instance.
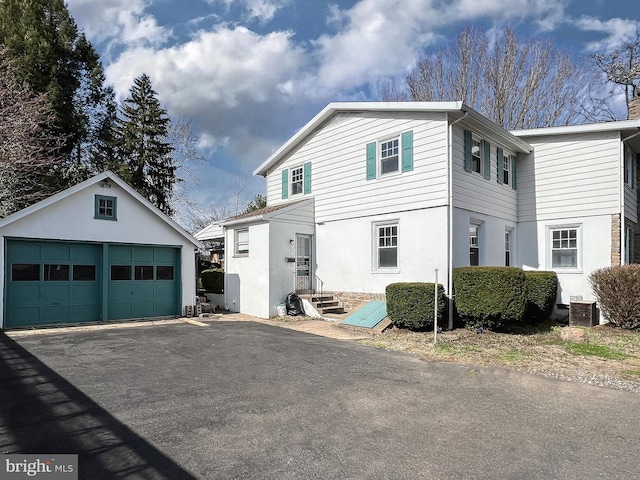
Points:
(249, 73)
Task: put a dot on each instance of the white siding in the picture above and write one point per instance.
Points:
(570, 175)
(247, 277)
(473, 192)
(346, 251)
(337, 153)
(490, 239)
(594, 251)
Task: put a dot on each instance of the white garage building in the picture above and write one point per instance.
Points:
(95, 252)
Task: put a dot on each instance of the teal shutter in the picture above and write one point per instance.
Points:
(285, 183)
(307, 177)
(468, 143)
(514, 172)
(407, 151)
(500, 154)
(371, 161)
(487, 159)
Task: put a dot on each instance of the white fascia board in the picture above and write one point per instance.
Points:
(584, 128)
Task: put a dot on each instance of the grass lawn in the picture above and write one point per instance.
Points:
(607, 356)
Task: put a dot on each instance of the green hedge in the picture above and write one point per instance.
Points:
(489, 296)
(410, 305)
(541, 289)
(213, 280)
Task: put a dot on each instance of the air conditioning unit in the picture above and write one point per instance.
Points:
(582, 313)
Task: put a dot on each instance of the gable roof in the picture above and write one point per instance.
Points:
(104, 176)
(263, 214)
(456, 111)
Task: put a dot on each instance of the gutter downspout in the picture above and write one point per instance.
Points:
(450, 214)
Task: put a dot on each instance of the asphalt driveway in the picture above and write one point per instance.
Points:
(247, 400)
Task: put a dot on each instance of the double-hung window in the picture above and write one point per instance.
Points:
(241, 242)
(389, 156)
(386, 246)
(506, 167)
(297, 179)
(629, 167)
(474, 244)
(476, 155)
(564, 247)
(507, 248)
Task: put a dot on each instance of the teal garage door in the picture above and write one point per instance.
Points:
(143, 282)
(51, 282)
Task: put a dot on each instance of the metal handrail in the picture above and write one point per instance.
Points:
(318, 279)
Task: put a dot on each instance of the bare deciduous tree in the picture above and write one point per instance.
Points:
(30, 155)
(516, 84)
(621, 66)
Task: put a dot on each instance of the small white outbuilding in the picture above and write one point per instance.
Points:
(95, 252)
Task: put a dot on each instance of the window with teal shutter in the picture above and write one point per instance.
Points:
(285, 183)
(514, 172)
(500, 155)
(487, 159)
(468, 143)
(371, 161)
(307, 177)
(407, 151)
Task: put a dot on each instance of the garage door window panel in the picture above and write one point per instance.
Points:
(84, 273)
(56, 273)
(144, 272)
(164, 272)
(25, 272)
(120, 272)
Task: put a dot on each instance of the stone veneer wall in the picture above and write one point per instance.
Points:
(352, 300)
(615, 239)
(634, 108)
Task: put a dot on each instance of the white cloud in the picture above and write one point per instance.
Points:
(617, 31)
(546, 14)
(230, 80)
(118, 22)
(261, 10)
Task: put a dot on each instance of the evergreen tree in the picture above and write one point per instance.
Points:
(52, 57)
(142, 130)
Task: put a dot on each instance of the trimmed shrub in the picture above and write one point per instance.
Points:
(617, 290)
(213, 280)
(410, 305)
(489, 297)
(541, 289)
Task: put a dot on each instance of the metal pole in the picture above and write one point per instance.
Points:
(435, 309)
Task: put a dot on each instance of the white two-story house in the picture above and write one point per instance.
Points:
(368, 194)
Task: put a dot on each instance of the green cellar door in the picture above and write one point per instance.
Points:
(51, 282)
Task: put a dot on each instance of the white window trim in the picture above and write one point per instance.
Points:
(379, 156)
(549, 249)
(374, 244)
(236, 242)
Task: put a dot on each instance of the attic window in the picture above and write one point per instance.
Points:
(105, 208)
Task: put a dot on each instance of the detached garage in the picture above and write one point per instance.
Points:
(96, 252)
